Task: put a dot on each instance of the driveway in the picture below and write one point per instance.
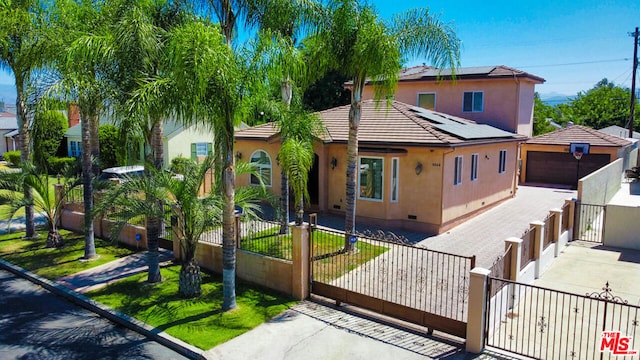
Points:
(484, 235)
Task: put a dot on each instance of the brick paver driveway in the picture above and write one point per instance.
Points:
(484, 235)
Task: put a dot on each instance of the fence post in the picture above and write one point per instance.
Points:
(557, 230)
(572, 217)
(300, 256)
(477, 308)
(238, 235)
(516, 252)
(58, 190)
(538, 246)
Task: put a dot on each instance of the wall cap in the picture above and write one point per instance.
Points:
(514, 240)
(478, 271)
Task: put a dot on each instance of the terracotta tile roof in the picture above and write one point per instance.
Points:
(398, 124)
(578, 133)
(426, 73)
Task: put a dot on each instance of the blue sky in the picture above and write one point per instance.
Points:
(572, 44)
(542, 37)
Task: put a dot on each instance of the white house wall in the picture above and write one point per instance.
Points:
(180, 144)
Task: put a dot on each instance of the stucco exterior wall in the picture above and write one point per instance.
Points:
(508, 103)
(180, 144)
(621, 227)
(599, 187)
(468, 197)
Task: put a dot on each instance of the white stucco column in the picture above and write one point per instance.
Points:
(477, 308)
(538, 246)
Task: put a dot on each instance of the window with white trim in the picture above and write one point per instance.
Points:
(473, 101)
(427, 100)
(457, 171)
(370, 179)
(474, 166)
(395, 169)
(75, 148)
(262, 161)
(502, 166)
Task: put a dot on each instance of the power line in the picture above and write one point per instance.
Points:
(575, 63)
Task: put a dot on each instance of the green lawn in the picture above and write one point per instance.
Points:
(196, 321)
(54, 263)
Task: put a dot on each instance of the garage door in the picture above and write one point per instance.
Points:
(561, 168)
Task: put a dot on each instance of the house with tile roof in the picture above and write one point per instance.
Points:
(547, 159)
(179, 141)
(499, 96)
(417, 169)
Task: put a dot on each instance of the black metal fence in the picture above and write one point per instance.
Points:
(258, 236)
(528, 249)
(589, 222)
(392, 272)
(550, 324)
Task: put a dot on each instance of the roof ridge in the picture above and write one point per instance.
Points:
(601, 135)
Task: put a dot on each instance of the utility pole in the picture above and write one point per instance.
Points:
(633, 81)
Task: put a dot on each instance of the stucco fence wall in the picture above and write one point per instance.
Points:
(621, 227)
(600, 186)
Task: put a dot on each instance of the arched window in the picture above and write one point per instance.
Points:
(263, 162)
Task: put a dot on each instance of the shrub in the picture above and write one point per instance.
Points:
(48, 132)
(110, 146)
(13, 157)
(179, 163)
(57, 165)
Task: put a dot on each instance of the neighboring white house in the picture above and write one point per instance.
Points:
(9, 132)
(193, 142)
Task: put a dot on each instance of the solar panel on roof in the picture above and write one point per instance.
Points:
(433, 117)
(473, 131)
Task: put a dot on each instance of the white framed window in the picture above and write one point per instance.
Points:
(502, 166)
(370, 179)
(262, 161)
(474, 166)
(75, 148)
(200, 150)
(427, 100)
(473, 101)
(457, 171)
(395, 169)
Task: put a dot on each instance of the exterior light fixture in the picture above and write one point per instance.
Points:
(238, 155)
(334, 163)
(418, 168)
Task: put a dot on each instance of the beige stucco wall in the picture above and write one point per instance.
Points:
(460, 201)
(611, 151)
(508, 103)
(600, 186)
(180, 144)
(621, 227)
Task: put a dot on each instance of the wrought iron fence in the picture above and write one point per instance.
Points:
(528, 249)
(549, 324)
(589, 223)
(75, 195)
(258, 236)
(549, 230)
(565, 217)
(501, 268)
(392, 271)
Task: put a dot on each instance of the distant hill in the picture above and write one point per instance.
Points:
(555, 98)
(8, 93)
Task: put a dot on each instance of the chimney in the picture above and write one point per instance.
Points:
(73, 113)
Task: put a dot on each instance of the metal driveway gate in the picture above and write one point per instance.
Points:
(589, 222)
(549, 324)
(417, 285)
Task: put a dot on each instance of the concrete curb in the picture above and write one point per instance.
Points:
(113, 315)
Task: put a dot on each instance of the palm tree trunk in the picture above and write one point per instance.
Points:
(352, 157)
(87, 177)
(190, 284)
(152, 252)
(25, 151)
(95, 143)
(157, 145)
(228, 225)
(286, 89)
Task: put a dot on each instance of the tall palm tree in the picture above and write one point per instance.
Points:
(357, 42)
(43, 198)
(23, 49)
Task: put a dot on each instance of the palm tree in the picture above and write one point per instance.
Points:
(43, 198)
(23, 50)
(357, 42)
